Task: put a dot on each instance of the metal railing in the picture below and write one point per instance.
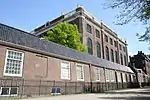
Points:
(43, 87)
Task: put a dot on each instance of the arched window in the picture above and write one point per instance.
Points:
(117, 58)
(125, 61)
(107, 53)
(112, 55)
(121, 57)
(89, 46)
(98, 50)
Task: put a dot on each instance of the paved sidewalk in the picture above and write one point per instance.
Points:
(128, 94)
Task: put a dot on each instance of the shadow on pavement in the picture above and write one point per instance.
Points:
(126, 98)
(143, 94)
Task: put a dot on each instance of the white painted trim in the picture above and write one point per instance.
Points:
(21, 67)
(9, 91)
(96, 74)
(83, 72)
(69, 70)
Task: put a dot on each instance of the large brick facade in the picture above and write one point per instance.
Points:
(81, 18)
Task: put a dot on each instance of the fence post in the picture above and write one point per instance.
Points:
(22, 87)
(75, 87)
(65, 87)
(40, 87)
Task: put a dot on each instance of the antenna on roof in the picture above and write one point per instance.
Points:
(78, 5)
(62, 13)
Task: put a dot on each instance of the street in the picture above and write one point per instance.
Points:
(127, 94)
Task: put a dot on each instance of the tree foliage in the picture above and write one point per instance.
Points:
(133, 10)
(66, 34)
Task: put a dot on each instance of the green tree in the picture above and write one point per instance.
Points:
(66, 34)
(133, 10)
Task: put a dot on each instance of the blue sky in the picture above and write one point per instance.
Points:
(28, 14)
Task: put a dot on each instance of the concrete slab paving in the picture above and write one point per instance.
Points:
(126, 94)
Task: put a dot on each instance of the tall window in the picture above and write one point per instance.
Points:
(125, 61)
(115, 43)
(112, 55)
(90, 47)
(80, 72)
(97, 74)
(107, 53)
(98, 50)
(116, 56)
(121, 58)
(97, 33)
(120, 47)
(111, 41)
(107, 75)
(106, 38)
(124, 77)
(119, 76)
(124, 49)
(89, 28)
(13, 63)
(65, 70)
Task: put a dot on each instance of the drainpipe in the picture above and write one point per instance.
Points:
(90, 65)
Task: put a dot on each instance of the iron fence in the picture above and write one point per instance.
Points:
(21, 87)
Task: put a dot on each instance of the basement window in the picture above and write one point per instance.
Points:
(55, 90)
(9, 91)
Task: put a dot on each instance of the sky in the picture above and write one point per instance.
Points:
(29, 14)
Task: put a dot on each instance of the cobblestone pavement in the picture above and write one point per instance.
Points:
(127, 94)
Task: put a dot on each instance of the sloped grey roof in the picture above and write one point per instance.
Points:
(19, 37)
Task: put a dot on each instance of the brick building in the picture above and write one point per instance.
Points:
(141, 61)
(33, 66)
(100, 40)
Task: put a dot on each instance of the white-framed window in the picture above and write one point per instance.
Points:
(132, 80)
(112, 75)
(124, 77)
(80, 72)
(65, 70)
(9, 91)
(107, 75)
(13, 63)
(97, 71)
(119, 76)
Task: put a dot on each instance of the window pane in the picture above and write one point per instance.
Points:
(115, 42)
(112, 55)
(89, 45)
(5, 91)
(80, 72)
(106, 38)
(111, 41)
(13, 91)
(107, 53)
(116, 55)
(98, 50)
(65, 70)
(97, 33)
(97, 74)
(89, 29)
(121, 57)
(13, 63)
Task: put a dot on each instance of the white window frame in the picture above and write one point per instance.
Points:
(82, 71)
(112, 75)
(9, 91)
(21, 66)
(97, 71)
(68, 71)
(124, 77)
(119, 77)
(107, 75)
